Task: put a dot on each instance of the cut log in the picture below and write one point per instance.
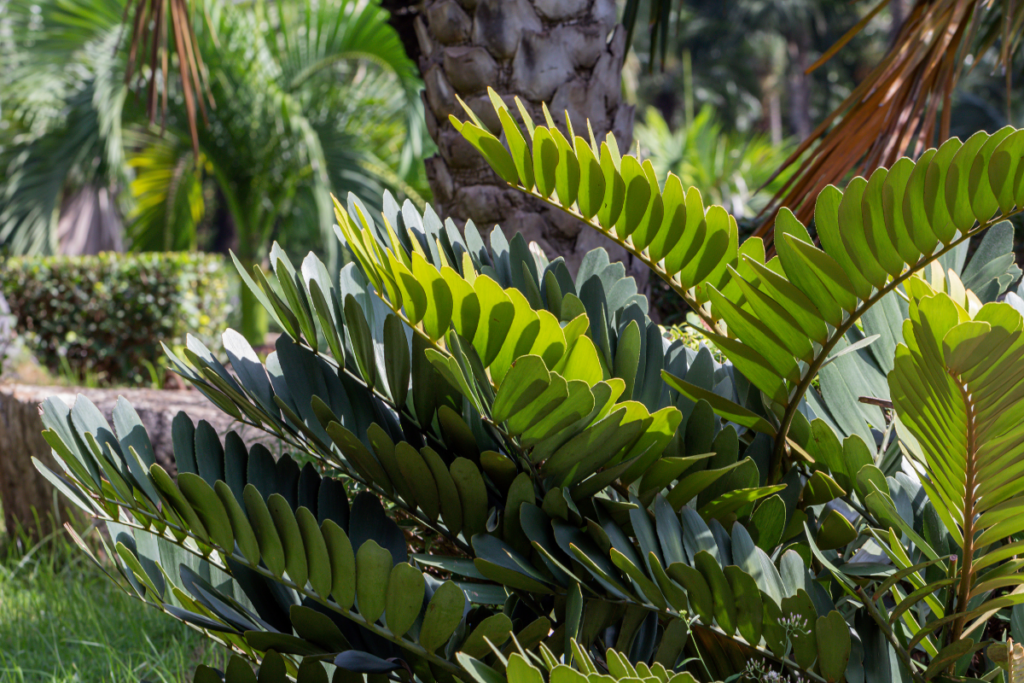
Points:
(23, 491)
(26, 495)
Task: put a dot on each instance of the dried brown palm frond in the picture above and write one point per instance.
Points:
(151, 22)
(903, 106)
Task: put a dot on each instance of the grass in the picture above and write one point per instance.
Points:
(62, 620)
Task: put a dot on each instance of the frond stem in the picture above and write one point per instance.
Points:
(966, 571)
(883, 625)
(779, 455)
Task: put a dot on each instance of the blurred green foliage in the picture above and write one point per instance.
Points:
(105, 315)
(729, 167)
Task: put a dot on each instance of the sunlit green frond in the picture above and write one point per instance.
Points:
(729, 168)
(779, 321)
(957, 387)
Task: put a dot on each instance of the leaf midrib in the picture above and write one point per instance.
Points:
(966, 570)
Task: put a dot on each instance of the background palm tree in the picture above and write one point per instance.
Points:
(304, 99)
(567, 53)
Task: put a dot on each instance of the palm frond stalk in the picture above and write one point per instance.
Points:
(903, 106)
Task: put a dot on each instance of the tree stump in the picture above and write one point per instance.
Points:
(25, 493)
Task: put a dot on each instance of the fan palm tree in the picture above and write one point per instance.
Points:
(302, 99)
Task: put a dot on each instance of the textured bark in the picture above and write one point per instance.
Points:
(567, 53)
(23, 489)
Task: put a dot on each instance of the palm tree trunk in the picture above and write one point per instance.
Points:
(567, 53)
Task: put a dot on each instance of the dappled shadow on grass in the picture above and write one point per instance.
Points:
(62, 621)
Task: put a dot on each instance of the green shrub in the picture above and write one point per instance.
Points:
(570, 480)
(107, 314)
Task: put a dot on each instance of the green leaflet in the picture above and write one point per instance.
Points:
(359, 456)
(271, 548)
(655, 212)
(879, 242)
(853, 232)
(490, 147)
(343, 564)
(361, 339)
(296, 298)
(638, 195)
(545, 161)
(592, 180)
(472, 494)
(385, 450)
(442, 616)
(209, 507)
(521, 155)
(697, 590)
(291, 538)
(835, 532)
(523, 384)
(317, 558)
(768, 522)
(418, 477)
(496, 629)
(397, 361)
(725, 607)
(567, 171)
(749, 608)
(328, 325)
(405, 590)
(244, 535)
(648, 587)
(496, 315)
(437, 315)
(615, 188)
(821, 488)
(373, 567)
(448, 494)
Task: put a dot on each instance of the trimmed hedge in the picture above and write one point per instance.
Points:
(106, 314)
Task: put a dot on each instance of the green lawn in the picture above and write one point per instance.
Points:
(62, 621)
